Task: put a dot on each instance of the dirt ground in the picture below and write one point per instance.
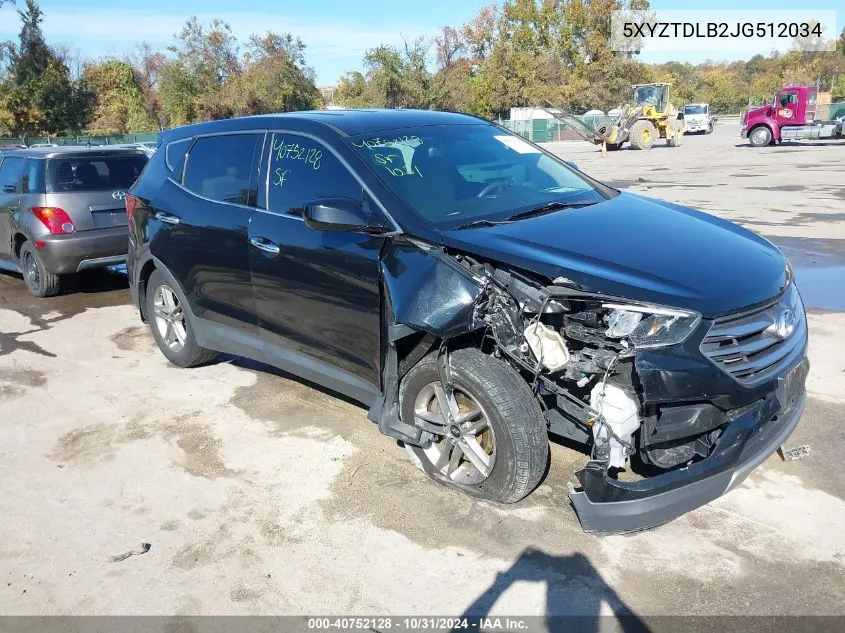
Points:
(262, 495)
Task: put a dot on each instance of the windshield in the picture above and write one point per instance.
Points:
(454, 174)
(695, 109)
(650, 95)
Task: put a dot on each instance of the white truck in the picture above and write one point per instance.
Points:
(697, 118)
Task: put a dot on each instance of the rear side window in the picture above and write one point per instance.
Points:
(221, 168)
(11, 170)
(33, 176)
(93, 173)
(174, 155)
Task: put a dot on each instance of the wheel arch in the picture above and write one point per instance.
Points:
(146, 267)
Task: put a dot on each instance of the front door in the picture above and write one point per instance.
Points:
(317, 292)
(786, 108)
(11, 170)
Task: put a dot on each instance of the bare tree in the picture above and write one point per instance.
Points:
(71, 57)
(449, 47)
(148, 65)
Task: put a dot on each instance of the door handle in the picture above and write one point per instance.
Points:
(263, 244)
(167, 218)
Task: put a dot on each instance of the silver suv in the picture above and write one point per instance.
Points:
(62, 211)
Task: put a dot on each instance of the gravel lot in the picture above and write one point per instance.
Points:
(260, 494)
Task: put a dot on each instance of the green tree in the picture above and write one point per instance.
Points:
(118, 106)
(205, 58)
(274, 78)
(40, 94)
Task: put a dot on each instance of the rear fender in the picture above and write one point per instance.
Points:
(23, 222)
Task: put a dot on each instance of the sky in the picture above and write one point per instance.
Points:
(336, 32)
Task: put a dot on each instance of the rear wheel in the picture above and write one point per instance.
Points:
(760, 136)
(642, 135)
(674, 138)
(171, 324)
(491, 438)
(38, 281)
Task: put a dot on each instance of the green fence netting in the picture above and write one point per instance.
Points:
(143, 137)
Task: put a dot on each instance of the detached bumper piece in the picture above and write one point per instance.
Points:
(608, 506)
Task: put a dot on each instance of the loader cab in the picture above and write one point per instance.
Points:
(656, 95)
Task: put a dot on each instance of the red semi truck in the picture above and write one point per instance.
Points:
(791, 116)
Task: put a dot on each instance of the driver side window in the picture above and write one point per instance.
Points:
(301, 170)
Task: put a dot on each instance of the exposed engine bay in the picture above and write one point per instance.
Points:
(627, 380)
(579, 351)
(576, 349)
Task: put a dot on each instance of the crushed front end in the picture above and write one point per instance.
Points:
(674, 408)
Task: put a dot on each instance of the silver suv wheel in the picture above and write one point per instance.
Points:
(169, 318)
(465, 451)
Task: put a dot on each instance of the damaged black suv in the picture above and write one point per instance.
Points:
(478, 294)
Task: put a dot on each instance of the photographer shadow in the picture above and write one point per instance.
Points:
(575, 592)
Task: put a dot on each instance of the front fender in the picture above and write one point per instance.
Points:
(768, 122)
(428, 290)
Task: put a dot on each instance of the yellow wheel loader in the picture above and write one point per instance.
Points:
(650, 117)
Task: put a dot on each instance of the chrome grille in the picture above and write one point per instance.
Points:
(748, 345)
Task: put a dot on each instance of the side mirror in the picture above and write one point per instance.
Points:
(572, 164)
(339, 214)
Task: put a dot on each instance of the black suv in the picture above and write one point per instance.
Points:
(477, 294)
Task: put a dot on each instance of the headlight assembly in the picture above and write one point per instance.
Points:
(650, 326)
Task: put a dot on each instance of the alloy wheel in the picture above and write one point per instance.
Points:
(465, 449)
(759, 136)
(169, 318)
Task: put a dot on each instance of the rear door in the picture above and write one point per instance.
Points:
(11, 170)
(91, 187)
(202, 234)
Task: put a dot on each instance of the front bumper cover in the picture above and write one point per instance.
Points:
(606, 505)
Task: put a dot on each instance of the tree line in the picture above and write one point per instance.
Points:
(524, 52)
(206, 73)
(517, 53)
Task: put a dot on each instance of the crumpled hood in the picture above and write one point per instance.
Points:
(639, 248)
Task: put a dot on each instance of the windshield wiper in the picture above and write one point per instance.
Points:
(534, 211)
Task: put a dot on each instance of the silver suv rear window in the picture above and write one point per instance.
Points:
(93, 173)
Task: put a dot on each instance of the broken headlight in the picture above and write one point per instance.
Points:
(649, 326)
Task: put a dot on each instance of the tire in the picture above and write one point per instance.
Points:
(709, 129)
(509, 427)
(760, 136)
(171, 324)
(642, 135)
(612, 147)
(39, 282)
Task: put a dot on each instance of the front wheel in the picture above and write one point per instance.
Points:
(642, 134)
(760, 136)
(491, 439)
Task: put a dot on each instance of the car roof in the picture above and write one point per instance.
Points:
(72, 150)
(344, 122)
